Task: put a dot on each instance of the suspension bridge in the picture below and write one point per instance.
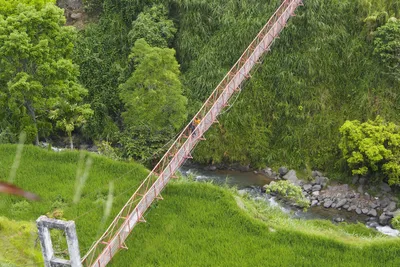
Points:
(113, 239)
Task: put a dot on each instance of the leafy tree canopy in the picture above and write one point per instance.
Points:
(153, 94)
(9, 6)
(37, 72)
(372, 147)
(154, 26)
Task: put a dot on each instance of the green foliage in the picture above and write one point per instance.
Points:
(37, 72)
(9, 6)
(101, 51)
(289, 191)
(69, 116)
(387, 47)
(154, 26)
(321, 71)
(153, 94)
(105, 149)
(372, 147)
(144, 143)
(396, 222)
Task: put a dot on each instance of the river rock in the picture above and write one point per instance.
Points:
(339, 219)
(291, 176)
(316, 174)
(385, 187)
(242, 192)
(391, 206)
(384, 202)
(365, 210)
(346, 206)
(315, 193)
(282, 171)
(354, 180)
(328, 203)
(316, 187)
(384, 219)
(358, 210)
(373, 205)
(323, 181)
(307, 187)
(360, 189)
(352, 207)
(393, 213)
(341, 203)
(372, 213)
(76, 15)
(314, 202)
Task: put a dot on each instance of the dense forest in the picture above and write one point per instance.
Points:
(132, 75)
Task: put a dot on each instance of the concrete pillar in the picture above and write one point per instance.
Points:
(44, 225)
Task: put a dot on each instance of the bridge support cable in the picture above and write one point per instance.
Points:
(132, 212)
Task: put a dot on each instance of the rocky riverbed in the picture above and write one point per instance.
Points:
(380, 208)
(328, 200)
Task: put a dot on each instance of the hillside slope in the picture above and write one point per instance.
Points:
(197, 224)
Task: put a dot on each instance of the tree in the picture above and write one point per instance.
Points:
(37, 73)
(372, 147)
(153, 94)
(387, 47)
(68, 116)
(154, 26)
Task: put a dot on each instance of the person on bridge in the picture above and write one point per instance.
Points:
(194, 125)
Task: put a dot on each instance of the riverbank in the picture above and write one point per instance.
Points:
(373, 205)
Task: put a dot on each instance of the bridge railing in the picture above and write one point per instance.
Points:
(114, 237)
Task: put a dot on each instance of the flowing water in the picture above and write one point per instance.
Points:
(252, 182)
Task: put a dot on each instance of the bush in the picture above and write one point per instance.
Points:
(372, 147)
(396, 222)
(289, 191)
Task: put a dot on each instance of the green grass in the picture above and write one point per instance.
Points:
(52, 176)
(202, 225)
(196, 225)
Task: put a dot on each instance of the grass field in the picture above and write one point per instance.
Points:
(53, 177)
(196, 225)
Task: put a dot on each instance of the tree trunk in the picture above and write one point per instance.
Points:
(31, 111)
(71, 143)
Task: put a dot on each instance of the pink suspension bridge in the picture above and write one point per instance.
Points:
(132, 212)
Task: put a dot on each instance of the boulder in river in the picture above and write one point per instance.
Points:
(341, 203)
(365, 210)
(291, 176)
(282, 171)
(323, 181)
(315, 193)
(316, 174)
(328, 203)
(372, 213)
(314, 203)
(391, 206)
(307, 187)
(316, 187)
(384, 219)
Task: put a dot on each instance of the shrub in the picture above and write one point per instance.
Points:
(396, 222)
(289, 191)
(372, 147)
